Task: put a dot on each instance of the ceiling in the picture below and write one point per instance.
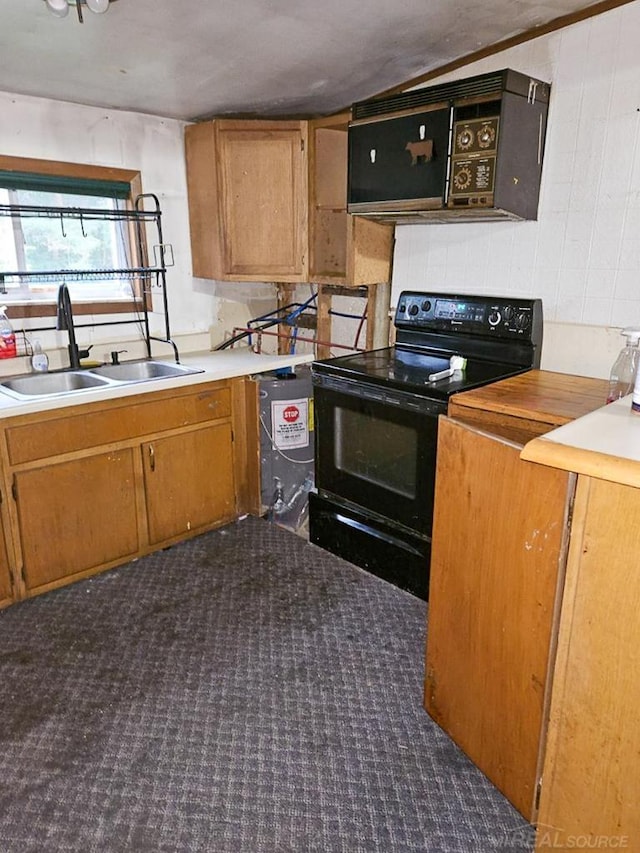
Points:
(193, 59)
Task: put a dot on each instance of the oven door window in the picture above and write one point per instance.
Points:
(363, 449)
(377, 455)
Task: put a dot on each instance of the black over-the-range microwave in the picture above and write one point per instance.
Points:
(465, 150)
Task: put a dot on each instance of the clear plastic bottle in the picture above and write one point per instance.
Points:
(625, 367)
(7, 336)
(39, 359)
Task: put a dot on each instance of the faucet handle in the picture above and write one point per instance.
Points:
(115, 355)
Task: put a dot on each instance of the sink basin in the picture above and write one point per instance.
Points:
(43, 384)
(34, 385)
(141, 371)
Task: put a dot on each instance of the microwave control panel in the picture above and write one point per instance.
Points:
(473, 162)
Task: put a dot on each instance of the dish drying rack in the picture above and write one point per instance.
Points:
(147, 275)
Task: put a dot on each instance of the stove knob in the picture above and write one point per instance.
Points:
(507, 312)
(402, 308)
(426, 305)
(494, 318)
(413, 310)
(522, 321)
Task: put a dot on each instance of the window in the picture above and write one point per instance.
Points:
(39, 242)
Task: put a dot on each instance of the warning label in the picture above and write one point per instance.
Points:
(290, 423)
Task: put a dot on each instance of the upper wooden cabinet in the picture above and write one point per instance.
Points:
(267, 202)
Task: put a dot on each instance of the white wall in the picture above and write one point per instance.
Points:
(50, 130)
(582, 255)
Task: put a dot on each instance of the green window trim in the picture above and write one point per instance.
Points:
(64, 184)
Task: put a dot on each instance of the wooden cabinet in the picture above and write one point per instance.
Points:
(76, 515)
(589, 787)
(592, 767)
(267, 202)
(497, 559)
(189, 481)
(98, 484)
(343, 249)
(498, 555)
(247, 189)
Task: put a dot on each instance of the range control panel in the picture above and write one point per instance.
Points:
(496, 316)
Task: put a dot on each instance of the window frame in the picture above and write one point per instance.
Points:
(53, 168)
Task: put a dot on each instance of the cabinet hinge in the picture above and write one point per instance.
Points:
(302, 144)
(538, 793)
(570, 508)
(14, 489)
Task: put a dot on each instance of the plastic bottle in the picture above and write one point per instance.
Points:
(625, 367)
(7, 336)
(39, 359)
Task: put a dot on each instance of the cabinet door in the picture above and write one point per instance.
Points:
(263, 190)
(189, 481)
(592, 764)
(75, 516)
(498, 543)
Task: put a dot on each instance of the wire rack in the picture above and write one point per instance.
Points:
(148, 275)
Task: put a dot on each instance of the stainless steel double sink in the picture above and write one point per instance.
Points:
(37, 385)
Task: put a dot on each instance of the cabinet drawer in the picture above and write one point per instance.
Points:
(53, 433)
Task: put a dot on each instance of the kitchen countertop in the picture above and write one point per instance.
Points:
(529, 404)
(221, 364)
(604, 444)
(551, 398)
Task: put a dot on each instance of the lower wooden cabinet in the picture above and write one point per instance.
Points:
(189, 481)
(500, 534)
(76, 515)
(499, 541)
(96, 485)
(589, 796)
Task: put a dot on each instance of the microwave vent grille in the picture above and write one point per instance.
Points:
(486, 84)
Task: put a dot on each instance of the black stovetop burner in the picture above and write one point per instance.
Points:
(498, 337)
(408, 370)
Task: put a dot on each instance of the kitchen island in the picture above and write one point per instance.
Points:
(590, 789)
(95, 478)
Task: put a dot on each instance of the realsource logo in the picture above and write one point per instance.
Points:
(523, 839)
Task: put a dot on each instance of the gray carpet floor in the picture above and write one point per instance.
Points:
(242, 692)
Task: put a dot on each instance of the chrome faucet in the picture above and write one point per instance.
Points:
(64, 322)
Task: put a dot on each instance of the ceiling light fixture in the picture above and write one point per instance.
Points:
(60, 8)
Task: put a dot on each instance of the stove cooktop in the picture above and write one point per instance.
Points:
(408, 370)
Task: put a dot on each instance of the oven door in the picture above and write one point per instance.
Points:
(376, 449)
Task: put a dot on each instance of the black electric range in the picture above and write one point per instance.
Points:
(376, 420)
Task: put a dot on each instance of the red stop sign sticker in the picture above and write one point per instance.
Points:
(291, 414)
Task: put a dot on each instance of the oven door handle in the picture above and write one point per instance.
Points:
(381, 395)
(378, 534)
